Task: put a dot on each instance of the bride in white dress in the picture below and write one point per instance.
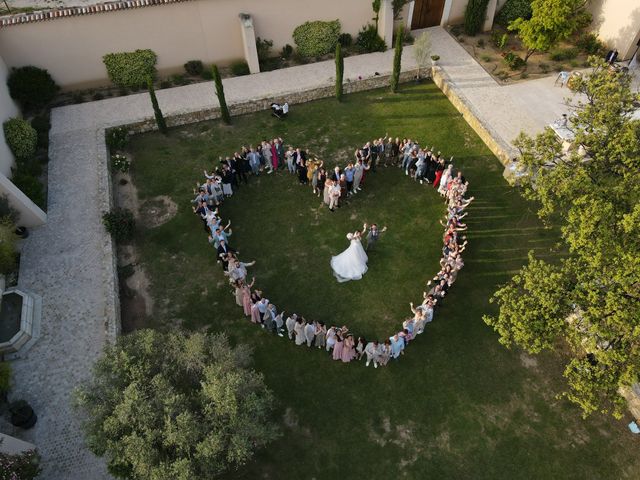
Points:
(352, 263)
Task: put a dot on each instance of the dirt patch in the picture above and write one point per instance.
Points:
(157, 211)
(136, 304)
(528, 361)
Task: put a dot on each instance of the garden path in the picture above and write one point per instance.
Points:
(70, 262)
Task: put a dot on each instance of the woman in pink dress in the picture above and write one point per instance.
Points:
(348, 349)
(246, 297)
(274, 155)
(255, 314)
(337, 348)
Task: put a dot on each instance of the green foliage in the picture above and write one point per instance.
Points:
(32, 87)
(345, 39)
(512, 10)
(551, 22)
(499, 40)
(474, 16)
(422, 50)
(264, 49)
(175, 406)
(316, 38)
(589, 43)
(564, 54)
(120, 163)
(41, 124)
(194, 67)
(588, 303)
(224, 110)
(160, 121)
(397, 60)
(30, 185)
(369, 41)
(21, 137)
(8, 253)
(397, 6)
(239, 68)
(178, 79)
(5, 378)
(207, 75)
(513, 61)
(287, 51)
(339, 71)
(23, 466)
(435, 58)
(117, 138)
(7, 212)
(120, 224)
(131, 69)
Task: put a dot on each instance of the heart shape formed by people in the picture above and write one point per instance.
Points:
(395, 188)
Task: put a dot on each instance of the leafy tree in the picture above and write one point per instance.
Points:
(397, 60)
(589, 302)
(160, 121)
(422, 50)
(224, 110)
(339, 72)
(170, 406)
(551, 22)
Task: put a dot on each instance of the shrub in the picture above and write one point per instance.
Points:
(178, 79)
(30, 185)
(240, 68)
(165, 84)
(224, 110)
(369, 41)
(513, 61)
(590, 44)
(120, 163)
(485, 58)
(513, 9)
(77, 97)
(21, 137)
(22, 466)
(8, 253)
(397, 60)
(435, 58)
(7, 212)
(339, 71)
(42, 125)
(564, 54)
(120, 224)
(474, 16)
(316, 38)
(117, 138)
(32, 87)
(287, 51)
(194, 67)
(481, 43)
(345, 39)
(207, 75)
(264, 48)
(5, 378)
(131, 69)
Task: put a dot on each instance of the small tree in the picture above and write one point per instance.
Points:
(21, 138)
(224, 110)
(162, 125)
(474, 16)
(551, 22)
(397, 60)
(339, 72)
(397, 6)
(376, 4)
(175, 406)
(422, 50)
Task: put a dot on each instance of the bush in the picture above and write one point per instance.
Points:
(589, 43)
(178, 79)
(206, 74)
(5, 379)
(120, 224)
(131, 69)
(345, 39)
(240, 68)
(7, 212)
(8, 253)
(165, 84)
(21, 137)
(474, 16)
(32, 87)
(564, 54)
(23, 466)
(513, 61)
(316, 38)
(117, 138)
(120, 163)
(42, 125)
(287, 51)
(369, 41)
(513, 9)
(194, 67)
(30, 185)
(264, 48)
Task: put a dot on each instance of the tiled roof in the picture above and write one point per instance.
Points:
(43, 15)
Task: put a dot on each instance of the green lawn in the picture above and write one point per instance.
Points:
(458, 405)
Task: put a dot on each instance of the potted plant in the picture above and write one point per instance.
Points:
(22, 415)
(434, 59)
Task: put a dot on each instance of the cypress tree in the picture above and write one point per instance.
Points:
(397, 60)
(339, 71)
(162, 125)
(224, 110)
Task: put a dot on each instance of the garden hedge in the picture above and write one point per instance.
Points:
(131, 69)
(512, 10)
(316, 38)
(21, 137)
(32, 87)
(474, 16)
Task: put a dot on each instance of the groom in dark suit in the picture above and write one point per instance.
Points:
(373, 235)
(223, 252)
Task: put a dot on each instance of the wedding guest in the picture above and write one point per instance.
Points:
(321, 333)
(246, 297)
(290, 324)
(331, 339)
(372, 351)
(338, 347)
(385, 352)
(299, 331)
(309, 332)
(360, 344)
(348, 349)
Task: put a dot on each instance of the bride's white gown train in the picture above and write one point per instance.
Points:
(350, 264)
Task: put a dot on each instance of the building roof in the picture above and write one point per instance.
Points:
(55, 13)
